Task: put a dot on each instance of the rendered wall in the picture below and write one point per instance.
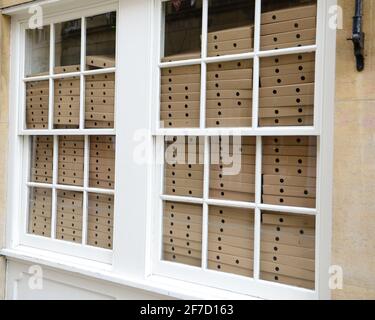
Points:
(354, 165)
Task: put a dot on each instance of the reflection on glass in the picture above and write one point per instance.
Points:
(183, 27)
(288, 23)
(101, 41)
(37, 51)
(230, 27)
(67, 46)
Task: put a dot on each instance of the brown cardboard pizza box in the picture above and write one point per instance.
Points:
(229, 122)
(278, 112)
(182, 234)
(181, 56)
(67, 69)
(230, 74)
(245, 32)
(180, 106)
(218, 175)
(67, 92)
(231, 260)
(186, 70)
(286, 69)
(100, 92)
(100, 61)
(100, 108)
(170, 115)
(232, 186)
(218, 53)
(182, 225)
(231, 250)
(294, 36)
(183, 218)
(229, 103)
(287, 26)
(96, 116)
(287, 280)
(287, 250)
(229, 195)
(182, 251)
(43, 84)
(290, 141)
(181, 79)
(289, 161)
(230, 45)
(185, 123)
(101, 77)
(229, 94)
(289, 220)
(99, 124)
(295, 13)
(290, 90)
(287, 121)
(280, 237)
(220, 267)
(171, 182)
(182, 259)
(287, 59)
(228, 113)
(286, 101)
(181, 88)
(37, 99)
(184, 191)
(239, 84)
(286, 270)
(291, 150)
(100, 84)
(289, 180)
(295, 78)
(289, 170)
(289, 201)
(230, 65)
(100, 101)
(178, 97)
(289, 45)
(95, 145)
(195, 245)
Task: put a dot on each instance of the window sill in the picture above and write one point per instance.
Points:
(100, 271)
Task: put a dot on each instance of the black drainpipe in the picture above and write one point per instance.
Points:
(358, 36)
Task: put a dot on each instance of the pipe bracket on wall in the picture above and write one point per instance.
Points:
(358, 37)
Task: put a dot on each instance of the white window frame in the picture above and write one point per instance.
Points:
(25, 238)
(133, 261)
(323, 93)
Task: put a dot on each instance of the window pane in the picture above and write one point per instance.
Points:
(232, 172)
(69, 216)
(100, 101)
(68, 46)
(100, 224)
(286, 94)
(42, 159)
(229, 94)
(288, 249)
(180, 97)
(37, 51)
(102, 162)
(289, 171)
(37, 104)
(71, 160)
(231, 240)
(101, 41)
(67, 103)
(288, 23)
(182, 235)
(230, 27)
(40, 210)
(183, 28)
(184, 166)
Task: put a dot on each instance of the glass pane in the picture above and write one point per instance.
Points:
(230, 94)
(100, 101)
(102, 162)
(100, 224)
(182, 30)
(230, 27)
(288, 23)
(42, 159)
(69, 216)
(184, 166)
(68, 46)
(37, 52)
(37, 104)
(288, 249)
(289, 171)
(180, 97)
(231, 240)
(71, 160)
(232, 172)
(101, 41)
(286, 94)
(40, 211)
(67, 103)
(182, 233)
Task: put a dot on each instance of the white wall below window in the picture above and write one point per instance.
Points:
(60, 285)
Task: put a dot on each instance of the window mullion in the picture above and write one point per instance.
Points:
(257, 212)
(206, 190)
(51, 81)
(82, 77)
(85, 193)
(54, 183)
(203, 64)
(256, 63)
